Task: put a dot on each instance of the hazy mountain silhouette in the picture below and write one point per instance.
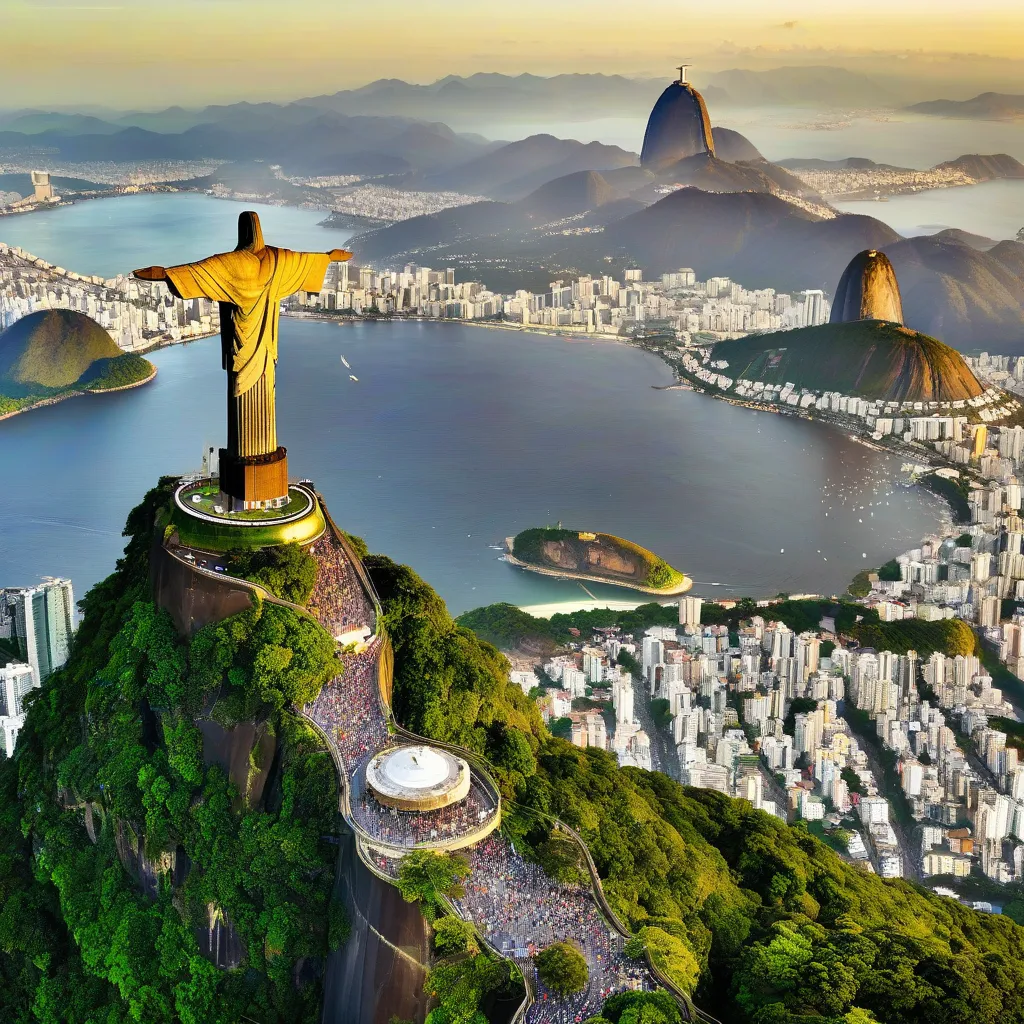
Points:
(516, 169)
(733, 146)
(986, 168)
(984, 106)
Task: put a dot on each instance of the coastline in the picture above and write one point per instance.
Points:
(54, 399)
(676, 591)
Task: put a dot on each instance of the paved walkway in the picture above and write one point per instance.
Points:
(350, 712)
(521, 910)
(512, 901)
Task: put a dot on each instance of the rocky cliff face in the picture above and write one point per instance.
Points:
(868, 290)
(679, 127)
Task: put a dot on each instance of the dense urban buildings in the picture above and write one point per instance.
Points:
(907, 763)
(39, 621)
(142, 314)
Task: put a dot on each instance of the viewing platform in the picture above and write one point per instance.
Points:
(203, 520)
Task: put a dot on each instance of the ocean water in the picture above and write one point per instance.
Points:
(115, 236)
(453, 438)
(994, 209)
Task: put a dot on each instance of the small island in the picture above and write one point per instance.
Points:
(597, 557)
(54, 354)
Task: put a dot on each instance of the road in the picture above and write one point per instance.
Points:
(909, 849)
(664, 756)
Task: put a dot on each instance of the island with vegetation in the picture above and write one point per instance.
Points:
(53, 354)
(597, 557)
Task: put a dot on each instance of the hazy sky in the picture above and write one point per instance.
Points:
(152, 53)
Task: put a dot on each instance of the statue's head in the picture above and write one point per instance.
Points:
(250, 234)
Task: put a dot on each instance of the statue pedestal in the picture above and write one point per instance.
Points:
(254, 481)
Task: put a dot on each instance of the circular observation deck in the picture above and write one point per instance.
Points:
(418, 778)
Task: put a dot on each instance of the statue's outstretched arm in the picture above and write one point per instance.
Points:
(151, 274)
(339, 255)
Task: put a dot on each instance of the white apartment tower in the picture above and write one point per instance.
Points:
(41, 621)
(689, 612)
(15, 681)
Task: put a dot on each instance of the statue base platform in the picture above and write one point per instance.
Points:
(254, 481)
(203, 522)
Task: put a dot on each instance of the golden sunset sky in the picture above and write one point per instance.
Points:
(145, 53)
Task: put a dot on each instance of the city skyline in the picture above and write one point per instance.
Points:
(95, 52)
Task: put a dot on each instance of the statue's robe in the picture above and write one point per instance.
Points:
(249, 284)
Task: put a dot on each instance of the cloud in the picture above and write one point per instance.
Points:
(789, 24)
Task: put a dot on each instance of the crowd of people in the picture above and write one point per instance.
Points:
(351, 713)
(348, 709)
(339, 600)
(408, 828)
(521, 910)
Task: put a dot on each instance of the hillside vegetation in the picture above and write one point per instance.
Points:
(872, 359)
(760, 920)
(506, 626)
(114, 739)
(55, 351)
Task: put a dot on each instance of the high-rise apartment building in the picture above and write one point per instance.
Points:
(689, 612)
(40, 621)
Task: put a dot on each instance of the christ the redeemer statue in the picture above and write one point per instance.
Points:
(249, 283)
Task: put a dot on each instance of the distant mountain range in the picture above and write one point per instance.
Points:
(515, 169)
(873, 359)
(503, 97)
(986, 106)
(951, 288)
(490, 98)
(303, 139)
(977, 166)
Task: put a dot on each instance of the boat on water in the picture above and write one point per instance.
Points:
(352, 376)
(345, 363)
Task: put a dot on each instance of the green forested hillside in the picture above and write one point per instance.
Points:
(53, 348)
(868, 358)
(597, 554)
(115, 730)
(760, 920)
(765, 924)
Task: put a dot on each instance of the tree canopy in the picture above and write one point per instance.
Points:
(424, 876)
(562, 968)
(111, 739)
(287, 571)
